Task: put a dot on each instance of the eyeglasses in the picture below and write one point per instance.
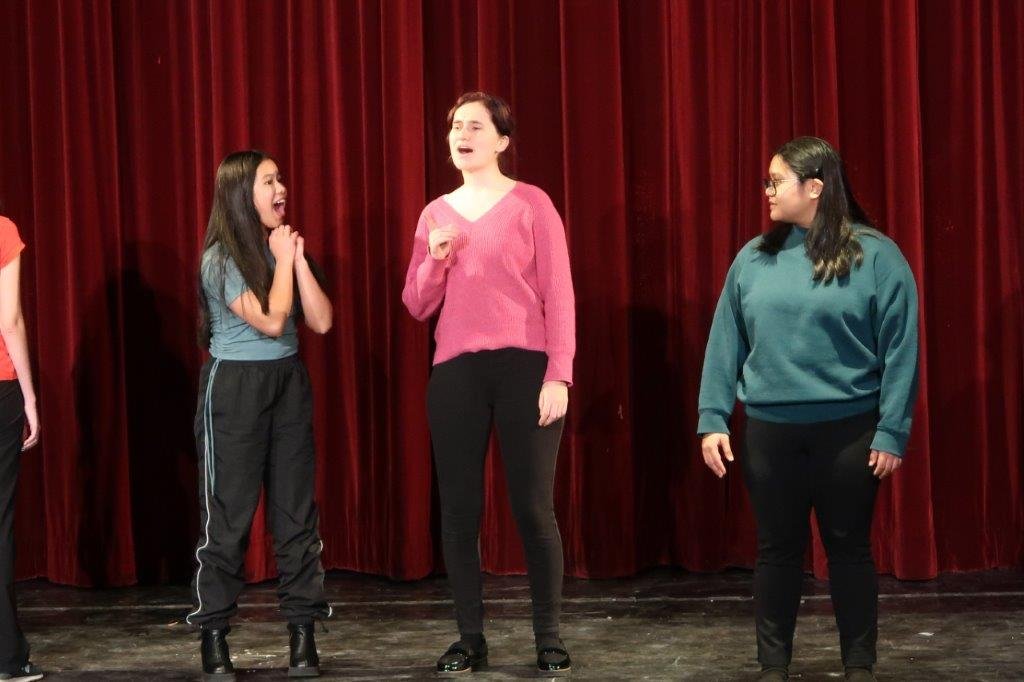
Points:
(771, 186)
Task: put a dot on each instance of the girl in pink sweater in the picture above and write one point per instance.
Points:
(492, 258)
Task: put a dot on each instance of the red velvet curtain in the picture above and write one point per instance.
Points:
(649, 123)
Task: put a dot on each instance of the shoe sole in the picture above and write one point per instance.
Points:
(565, 672)
(479, 665)
(305, 671)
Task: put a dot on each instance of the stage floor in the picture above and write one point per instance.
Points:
(663, 625)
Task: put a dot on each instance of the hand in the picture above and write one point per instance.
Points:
(31, 431)
(440, 239)
(883, 463)
(713, 446)
(282, 242)
(553, 402)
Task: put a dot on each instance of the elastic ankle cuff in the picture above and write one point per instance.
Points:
(215, 625)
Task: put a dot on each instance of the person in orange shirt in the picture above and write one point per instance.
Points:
(19, 430)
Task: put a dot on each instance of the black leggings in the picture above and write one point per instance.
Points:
(13, 646)
(789, 469)
(463, 396)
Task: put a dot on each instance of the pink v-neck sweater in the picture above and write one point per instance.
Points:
(506, 283)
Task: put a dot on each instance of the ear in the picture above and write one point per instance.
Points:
(816, 188)
(503, 143)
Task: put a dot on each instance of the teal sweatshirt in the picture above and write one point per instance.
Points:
(798, 351)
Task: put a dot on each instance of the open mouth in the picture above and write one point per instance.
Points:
(279, 206)
(464, 150)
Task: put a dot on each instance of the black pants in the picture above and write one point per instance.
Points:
(790, 469)
(463, 397)
(13, 646)
(253, 429)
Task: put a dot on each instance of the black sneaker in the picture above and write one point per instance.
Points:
(26, 674)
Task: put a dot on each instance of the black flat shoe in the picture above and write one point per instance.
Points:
(462, 659)
(216, 659)
(303, 661)
(860, 674)
(773, 675)
(553, 661)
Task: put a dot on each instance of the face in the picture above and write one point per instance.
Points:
(269, 194)
(473, 141)
(793, 201)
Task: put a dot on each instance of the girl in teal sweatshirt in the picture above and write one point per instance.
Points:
(816, 333)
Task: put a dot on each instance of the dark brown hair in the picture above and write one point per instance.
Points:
(236, 226)
(501, 117)
(831, 242)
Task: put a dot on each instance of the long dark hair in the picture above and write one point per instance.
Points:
(832, 241)
(235, 225)
(501, 117)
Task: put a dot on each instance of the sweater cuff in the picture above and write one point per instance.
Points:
(888, 441)
(559, 369)
(712, 422)
(437, 266)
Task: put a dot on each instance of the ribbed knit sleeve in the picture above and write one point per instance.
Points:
(895, 327)
(425, 278)
(555, 282)
(726, 352)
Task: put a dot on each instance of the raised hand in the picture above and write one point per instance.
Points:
(282, 242)
(440, 239)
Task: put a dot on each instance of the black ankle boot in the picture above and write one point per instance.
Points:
(463, 657)
(216, 659)
(303, 661)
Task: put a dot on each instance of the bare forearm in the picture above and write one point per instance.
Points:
(316, 307)
(281, 290)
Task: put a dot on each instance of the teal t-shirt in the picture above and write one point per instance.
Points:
(798, 351)
(231, 337)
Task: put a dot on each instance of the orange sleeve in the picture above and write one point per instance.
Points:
(10, 241)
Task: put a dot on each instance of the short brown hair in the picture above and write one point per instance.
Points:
(501, 117)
